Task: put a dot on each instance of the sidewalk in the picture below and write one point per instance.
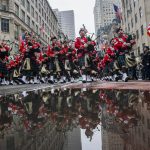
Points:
(132, 85)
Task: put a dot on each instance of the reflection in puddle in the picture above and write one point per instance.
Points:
(75, 119)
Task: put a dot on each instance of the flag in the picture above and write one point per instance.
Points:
(118, 13)
(21, 44)
(42, 28)
(148, 30)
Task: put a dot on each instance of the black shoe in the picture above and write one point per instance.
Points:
(63, 81)
(83, 81)
(50, 81)
(19, 80)
(117, 79)
(42, 81)
(127, 79)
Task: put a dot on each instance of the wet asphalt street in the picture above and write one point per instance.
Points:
(135, 85)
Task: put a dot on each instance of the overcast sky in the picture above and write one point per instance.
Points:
(83, 10)
(95, 144)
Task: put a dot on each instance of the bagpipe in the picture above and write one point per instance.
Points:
(148, 30)
(44, 70)
(67, 65)
(130, 62)
(27, 64)
(57, 65)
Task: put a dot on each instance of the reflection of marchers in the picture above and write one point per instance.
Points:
(67, 109)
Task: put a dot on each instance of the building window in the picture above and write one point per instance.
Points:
(140, 12)
(16, 30)
(148, 141)
(136, 18)
(129, 27)
(36, 4)
(16, 9)
(39, 20)
(134, 2)
(36, 29)
(47, 19)
(32, 11)
(46, 37)
(33, 25)
(132, 23)
(48, 40)
(28, 6)
(4, 7)
(148, 123)
(28, 20)
(36, 16)
(142, 30)
(139, 131)
(143, 137)
(23, 2)
(39, 7)
(22, 31)
(137, 34)
(42, 12)
(23, 15)
(45, 15)
(43, 24)
(143, 45)
(5, 25)
(138, 51)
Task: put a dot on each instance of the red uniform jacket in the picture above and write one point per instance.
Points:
(79, 45)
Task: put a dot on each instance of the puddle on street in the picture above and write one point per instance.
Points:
(75, 119)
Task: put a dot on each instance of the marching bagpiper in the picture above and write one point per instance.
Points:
(30, 68)
(84, 46)
(43, 61)
(71, 62)
(57, 61)
(53, 64)
(123, 44)
(4, 53)
(116, 59)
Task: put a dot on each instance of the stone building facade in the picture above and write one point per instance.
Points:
(136, 17)
(17, 16)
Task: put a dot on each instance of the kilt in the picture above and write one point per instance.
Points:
(106, 69)
(121, 61)
(73, 66)
(4, 54)
(81, 62)
(51, 65)
(110, 66)
(37, 50)
(34, 66)
(3, 69)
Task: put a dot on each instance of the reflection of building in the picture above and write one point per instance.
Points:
(104, 13)
(45, 138)
(66, 22)
(105, 21)
(111, 141)
(136, 134)
(73, 141)
(140, 136)
(18, 16)
(106, 34)
(136, 17)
